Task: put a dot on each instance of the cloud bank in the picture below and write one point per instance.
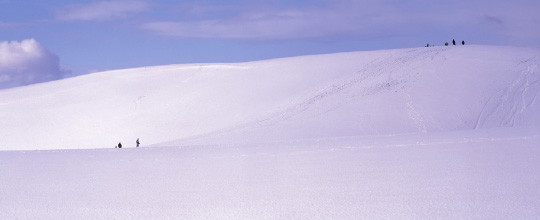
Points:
(356, 19)
(262, 23)
(27, 62)
(102, 10)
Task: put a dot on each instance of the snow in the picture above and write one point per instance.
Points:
(420, 133)
(491, 174)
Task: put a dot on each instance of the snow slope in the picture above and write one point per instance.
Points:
(422, 133)
(347, 94)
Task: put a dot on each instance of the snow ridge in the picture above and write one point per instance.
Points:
(422, 133)
(345, 94)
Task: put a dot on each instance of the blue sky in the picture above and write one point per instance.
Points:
(95, 35)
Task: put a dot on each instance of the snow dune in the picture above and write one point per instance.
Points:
(482, 174)
(347, 94)
(421, 133)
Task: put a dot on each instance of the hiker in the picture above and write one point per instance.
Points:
(462, 42)
(137, 142)
(454, 42)
(119, 144)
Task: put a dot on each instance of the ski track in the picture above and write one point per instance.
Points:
(136, 105)
(414, 114)
(520, 86)
(514, 94)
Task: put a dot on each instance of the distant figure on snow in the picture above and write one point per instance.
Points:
(137, 142)
(446, 44)
(462, 42)
(454, 42)
(119, 144)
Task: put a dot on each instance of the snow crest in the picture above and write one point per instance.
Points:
(346, 94)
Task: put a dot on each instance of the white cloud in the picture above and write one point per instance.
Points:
(102, 10)
(326, 19)
(27, 62)
(262, 24)
(369, 19)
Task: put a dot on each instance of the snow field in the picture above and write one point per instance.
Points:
(421, 133)
(491, 174)
(347, 94)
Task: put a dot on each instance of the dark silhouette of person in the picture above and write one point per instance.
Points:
(119, 144)
(137, 142)
(462, 42)
(454, 41)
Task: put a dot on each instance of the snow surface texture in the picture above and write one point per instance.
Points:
(474, 175)
(423, 133)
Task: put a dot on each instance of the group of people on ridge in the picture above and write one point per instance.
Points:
(120, 144)
(453, 42)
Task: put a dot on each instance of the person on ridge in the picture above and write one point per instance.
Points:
(119, 144)
(137, 142)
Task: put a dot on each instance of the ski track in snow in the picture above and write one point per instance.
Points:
(515, 95)
(414, 114)
(137, 103)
